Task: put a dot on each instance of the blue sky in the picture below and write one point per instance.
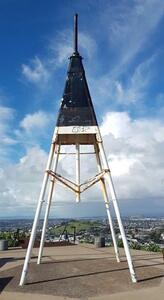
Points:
(122, 43)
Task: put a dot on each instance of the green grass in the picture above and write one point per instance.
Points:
(80, 226)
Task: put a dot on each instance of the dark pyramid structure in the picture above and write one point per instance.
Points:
(76, 106)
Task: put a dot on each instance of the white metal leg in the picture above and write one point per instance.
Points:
(78, 171)
(116, 208)
(106, 199)
(36, 219)
(51, 188)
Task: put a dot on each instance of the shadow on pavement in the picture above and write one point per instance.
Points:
(4, 281)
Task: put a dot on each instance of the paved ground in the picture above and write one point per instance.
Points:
(81, 272)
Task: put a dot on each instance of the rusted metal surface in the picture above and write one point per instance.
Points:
(78, 188)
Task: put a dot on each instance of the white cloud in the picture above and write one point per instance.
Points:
(6, 117)
(117, 124)
(140, 143)
(6, 113)
(36, 72)
(62, 47)
(6, 132)
(121, 165)
(134, 147)
(34, 129)
(136, 87)
(87, 44)
(20, 182)
(131, 26)
(36, 121)
(135, 152)
(134, 90)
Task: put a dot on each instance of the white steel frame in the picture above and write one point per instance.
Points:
(50, 177)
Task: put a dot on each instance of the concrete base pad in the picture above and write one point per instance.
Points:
(81, 278)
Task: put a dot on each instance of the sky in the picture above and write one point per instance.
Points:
(122, 43)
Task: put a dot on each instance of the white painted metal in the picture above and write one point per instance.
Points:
(78, 172)
(90, 182)
(77, 130)
(104, 173)
(106, 200)
(117, 211)
(76, 187)
(74, 153)
(51, 188)
(37, 215)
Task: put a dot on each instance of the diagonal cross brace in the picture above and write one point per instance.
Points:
(88, 183)
(75, 187)
(68, 183)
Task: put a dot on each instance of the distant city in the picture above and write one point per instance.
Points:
(142, 232)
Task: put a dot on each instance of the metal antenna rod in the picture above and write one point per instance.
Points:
(76, 33)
